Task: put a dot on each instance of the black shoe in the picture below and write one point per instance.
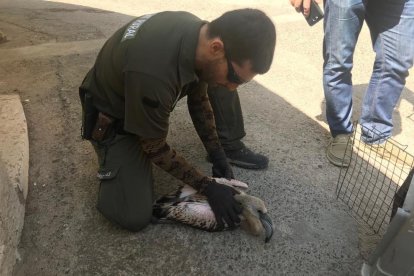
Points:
(245, 158)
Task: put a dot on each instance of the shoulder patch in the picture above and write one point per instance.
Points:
(132, 29)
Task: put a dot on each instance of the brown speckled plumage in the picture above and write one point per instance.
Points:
(191, 208)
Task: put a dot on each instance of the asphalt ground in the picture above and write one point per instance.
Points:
(51, 46)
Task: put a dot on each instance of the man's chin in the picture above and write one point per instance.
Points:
(212, 84)
(215, 84)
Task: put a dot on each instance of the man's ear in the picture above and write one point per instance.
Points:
(216, 47)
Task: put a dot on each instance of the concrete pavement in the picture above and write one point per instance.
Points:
(53, 44)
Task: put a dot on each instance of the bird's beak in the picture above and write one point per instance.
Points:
(267, 225)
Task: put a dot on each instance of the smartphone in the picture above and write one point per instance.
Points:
(315, 15)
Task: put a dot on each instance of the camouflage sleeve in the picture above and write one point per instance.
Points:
(202, 115)
(170, 161)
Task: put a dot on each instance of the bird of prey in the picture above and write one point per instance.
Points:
(189, 207)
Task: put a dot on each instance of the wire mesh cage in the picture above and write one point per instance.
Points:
(376, 171)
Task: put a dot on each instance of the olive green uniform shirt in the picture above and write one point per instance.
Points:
(144, 69)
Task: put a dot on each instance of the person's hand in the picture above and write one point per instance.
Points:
(225, 208)
(303, 5)
(221, 167)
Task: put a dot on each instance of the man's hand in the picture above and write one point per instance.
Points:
(225, 208)
(221, 167)
(303, 6)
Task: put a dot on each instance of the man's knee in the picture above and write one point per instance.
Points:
(132, 220)
(136, 223)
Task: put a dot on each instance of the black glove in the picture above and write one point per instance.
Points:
(221, 168)
(225, 207)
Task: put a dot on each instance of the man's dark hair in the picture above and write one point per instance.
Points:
(247, 34)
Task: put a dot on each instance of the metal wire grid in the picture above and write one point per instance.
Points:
(369, 184)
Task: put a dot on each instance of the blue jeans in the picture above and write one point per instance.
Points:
(391, 24)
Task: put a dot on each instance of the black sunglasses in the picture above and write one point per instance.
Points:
(232, 75)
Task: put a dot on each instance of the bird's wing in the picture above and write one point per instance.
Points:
(186, 206)
(197, 214)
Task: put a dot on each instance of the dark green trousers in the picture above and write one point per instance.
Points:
(228, 116)
(126, 182)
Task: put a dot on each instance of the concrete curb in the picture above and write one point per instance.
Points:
(14, 170)
(3, 37)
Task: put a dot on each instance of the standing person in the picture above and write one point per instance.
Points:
(138, 77)
(230, 129)
(391, 25)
